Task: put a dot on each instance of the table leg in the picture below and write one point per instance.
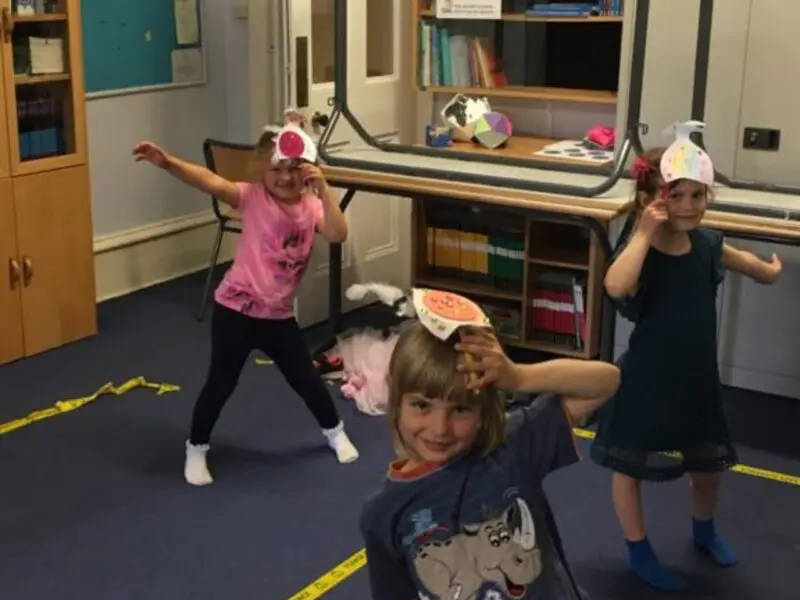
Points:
(334, 287)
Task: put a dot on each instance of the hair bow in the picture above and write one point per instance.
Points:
(640, 168)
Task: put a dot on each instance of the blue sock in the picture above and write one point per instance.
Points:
(645, 564)
(708, 540)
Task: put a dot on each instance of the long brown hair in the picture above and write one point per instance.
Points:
(423, 364)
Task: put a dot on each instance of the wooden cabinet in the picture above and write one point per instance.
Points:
(11, 341)
(47, 291)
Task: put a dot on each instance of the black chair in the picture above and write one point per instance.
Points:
(233, 162)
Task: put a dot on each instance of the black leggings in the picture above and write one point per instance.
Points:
(233, 337)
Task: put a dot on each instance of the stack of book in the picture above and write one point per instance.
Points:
(475, 254)
(556, 308)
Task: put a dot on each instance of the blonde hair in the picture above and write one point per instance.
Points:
(423, 364)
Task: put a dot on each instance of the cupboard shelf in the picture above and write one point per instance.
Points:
(40, 79)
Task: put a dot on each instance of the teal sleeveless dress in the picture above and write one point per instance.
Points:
(667, 417)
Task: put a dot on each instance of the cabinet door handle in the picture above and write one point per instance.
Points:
(27, 270)
(13, 273)
(8, 23)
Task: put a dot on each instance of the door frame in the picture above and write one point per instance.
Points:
(268, 45)
(5, 140)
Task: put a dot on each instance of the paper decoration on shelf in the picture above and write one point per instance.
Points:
(462, 114)
(684, 159)
(493, 130)
(293, 143)
(576, 150)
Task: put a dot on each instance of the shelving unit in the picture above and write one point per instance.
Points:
(47, 296)
(548, 58)
(539, 281)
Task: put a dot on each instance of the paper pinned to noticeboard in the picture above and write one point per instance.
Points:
(187, 65)
(187, 28)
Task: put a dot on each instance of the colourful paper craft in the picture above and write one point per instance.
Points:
(684, 159)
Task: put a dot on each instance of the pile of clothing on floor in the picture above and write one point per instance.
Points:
(361, 356)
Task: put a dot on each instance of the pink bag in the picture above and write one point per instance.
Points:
(601, 136)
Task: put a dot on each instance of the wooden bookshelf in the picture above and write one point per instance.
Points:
(47, 297)
(543, 57)
(453, 247)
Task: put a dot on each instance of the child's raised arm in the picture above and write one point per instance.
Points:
(567, 377)
(622, 276)
(748, 264)
(193, 175)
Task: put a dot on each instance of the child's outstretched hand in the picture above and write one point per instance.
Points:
(772, 269)
(487, 360)
(149, 152)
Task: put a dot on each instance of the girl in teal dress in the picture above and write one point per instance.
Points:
(667, 418)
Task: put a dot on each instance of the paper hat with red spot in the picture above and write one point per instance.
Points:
(684, 159)
(293, 143)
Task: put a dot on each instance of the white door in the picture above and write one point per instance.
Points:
(378, 247)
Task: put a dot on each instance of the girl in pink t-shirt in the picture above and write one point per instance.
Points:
(254, 304)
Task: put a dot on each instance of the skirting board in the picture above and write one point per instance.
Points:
(141, 257)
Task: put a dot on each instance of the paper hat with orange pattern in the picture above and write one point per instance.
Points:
(440, 312)
(684, 159)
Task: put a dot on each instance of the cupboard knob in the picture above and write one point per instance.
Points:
(27, 270)
(13, 272)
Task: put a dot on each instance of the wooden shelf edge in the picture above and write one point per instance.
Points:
(39, 79)
(530, 93)
(41, 18)
(524, 18)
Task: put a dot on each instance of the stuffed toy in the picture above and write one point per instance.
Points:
(366, 354)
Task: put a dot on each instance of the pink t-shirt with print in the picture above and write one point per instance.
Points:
(272, 253)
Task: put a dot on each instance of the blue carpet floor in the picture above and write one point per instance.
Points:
(93, 504)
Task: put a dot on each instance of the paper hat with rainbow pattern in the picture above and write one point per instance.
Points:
(684, 159)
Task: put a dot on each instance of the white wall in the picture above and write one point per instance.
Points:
(133, 203)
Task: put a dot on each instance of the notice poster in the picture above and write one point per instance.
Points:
(468, 9)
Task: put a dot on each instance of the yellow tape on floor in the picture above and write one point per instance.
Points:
(332, 578)
(260, 360)
(357, 561)
(65, 406)
(741, 469)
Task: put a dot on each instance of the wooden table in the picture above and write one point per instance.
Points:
(736, 216)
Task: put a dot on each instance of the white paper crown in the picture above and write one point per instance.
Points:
(684, 159)
(293, 143)
(440, 312)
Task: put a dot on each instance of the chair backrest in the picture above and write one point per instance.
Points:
(232, 161)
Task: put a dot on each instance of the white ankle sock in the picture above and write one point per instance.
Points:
(196, 468)
(346, 452)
